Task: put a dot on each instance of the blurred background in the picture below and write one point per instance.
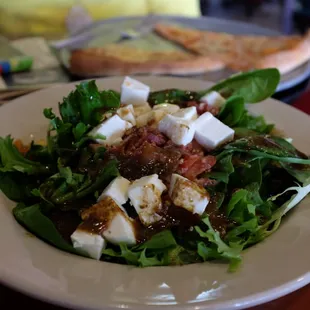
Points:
(30, 30)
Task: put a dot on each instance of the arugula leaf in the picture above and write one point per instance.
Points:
(174, 96)
(249, 172)
(67, 186)
(262, 147)
(232, 253)
(41, 226)
(270, 226)
(243, 132)
(83, 104)
(12, 160)
(163, 239)
(222, 170)
(244, 203)
(236, 198)
(300, 172)
(150, 260)
(18, 186)
(256, 123)
(130, 256)
(258, 154)
(253, 86)
(153, 252)
(236, 233)
(79, 130)
(48, 113)
(179, 255)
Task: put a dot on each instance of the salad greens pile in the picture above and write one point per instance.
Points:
(260, 176)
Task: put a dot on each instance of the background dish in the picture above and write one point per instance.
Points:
(107, 31)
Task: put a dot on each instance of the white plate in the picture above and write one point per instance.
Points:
(271, 269)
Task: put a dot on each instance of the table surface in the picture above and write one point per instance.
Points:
(294, 301)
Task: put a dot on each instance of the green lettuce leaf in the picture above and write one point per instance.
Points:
(174, 96)
(32, 218)
(222, 170)
(269, 227)
(253, 86)
(67, 186)
(83, 104)
(262, 146)
(154, 252)
(232, 253)
(233, 111)
(13, 160)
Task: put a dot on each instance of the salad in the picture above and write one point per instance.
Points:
(147, 178)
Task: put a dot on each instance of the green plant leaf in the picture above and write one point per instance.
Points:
(253, 86)
(41, 226)
(13, 160)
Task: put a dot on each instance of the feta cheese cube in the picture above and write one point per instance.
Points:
(180, 131)
(152, 117)
(121, 229)
(88, 242)
(113, 129)
(142, 109)
(188, 195)
(187, 114)
(211, 132)
(213, 99)
(110, 221)
(167, 107)
(117, 190)
(145, 196)
(134, 92)
(127, 114)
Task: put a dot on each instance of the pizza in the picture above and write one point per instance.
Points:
(124, 60)
(241, 52)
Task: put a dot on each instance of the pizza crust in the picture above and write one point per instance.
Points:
(240, 52)
(118, 60)
(288, 60)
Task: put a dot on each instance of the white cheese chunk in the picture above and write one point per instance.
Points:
(142, 109)
(211, 132)
(151, 117)
(127, 114)
(121, 229)
(117, 190)
(134, 92)
(113, 129)
(188, 195)
(187, 114)
(180, 131)
(110, 221)
(167, 107)
(213, 99)
(145, 196)
(89, 243)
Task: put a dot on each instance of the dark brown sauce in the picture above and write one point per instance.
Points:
(93, 226)
(151, 160)
(65, 222)
(217, 217)
(173, 217)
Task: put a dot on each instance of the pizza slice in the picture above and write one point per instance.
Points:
(242, 52)
(125, 60)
